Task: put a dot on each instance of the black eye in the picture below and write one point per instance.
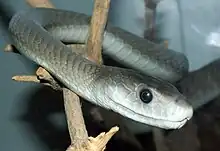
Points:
(146, 96)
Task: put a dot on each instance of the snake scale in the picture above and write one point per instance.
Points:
(143, 93)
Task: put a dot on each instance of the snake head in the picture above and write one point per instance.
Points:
(145, 99)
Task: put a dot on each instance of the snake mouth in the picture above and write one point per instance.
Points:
(153, 121)
(160, 123)
(150, 120)
(182, 123)
(165, 124)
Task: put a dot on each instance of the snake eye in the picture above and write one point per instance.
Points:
(146, 96)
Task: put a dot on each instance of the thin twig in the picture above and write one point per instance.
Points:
(77, 128)
(8, 48)
(40, 3)
(26, 78)
(98, 22)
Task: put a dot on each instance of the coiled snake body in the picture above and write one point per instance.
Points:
(144, 95)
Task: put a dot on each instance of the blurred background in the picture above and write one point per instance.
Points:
(32, 116)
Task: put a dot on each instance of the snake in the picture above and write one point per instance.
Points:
(142, 92)
(200, 86)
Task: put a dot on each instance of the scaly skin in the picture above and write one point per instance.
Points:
(200, 87)
(114, 88)
(128, 49)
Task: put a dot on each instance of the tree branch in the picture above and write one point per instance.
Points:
(98, 22)
(76, 125)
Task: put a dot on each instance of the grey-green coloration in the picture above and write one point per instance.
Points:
(200, 87)
(128, 49)
(114, 88)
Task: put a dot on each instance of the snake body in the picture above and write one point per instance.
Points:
(37, 34)
(124, 47)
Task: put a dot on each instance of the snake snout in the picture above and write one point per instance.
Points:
(184, 109)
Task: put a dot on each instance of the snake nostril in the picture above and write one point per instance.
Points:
(178, 100)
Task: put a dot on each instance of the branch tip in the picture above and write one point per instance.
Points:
(26, 78)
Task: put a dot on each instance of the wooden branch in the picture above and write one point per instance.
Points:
(8, 48)
(40, 3)
(98, 22)
(75, 121)
(76, 125)
(26, 78)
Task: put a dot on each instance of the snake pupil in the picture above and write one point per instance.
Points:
(146, 96)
